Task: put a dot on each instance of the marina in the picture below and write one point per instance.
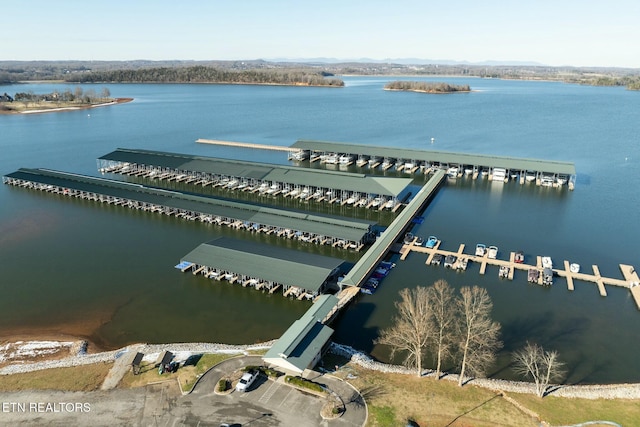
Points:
(137, 280)
(316, 229)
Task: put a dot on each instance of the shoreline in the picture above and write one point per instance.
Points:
(70, 108)
(81, 357)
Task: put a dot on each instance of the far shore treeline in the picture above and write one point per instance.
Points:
(427, 87)
(203, 74)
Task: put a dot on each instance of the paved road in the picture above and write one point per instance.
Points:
(267, 403)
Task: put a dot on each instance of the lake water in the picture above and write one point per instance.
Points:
(106, 273)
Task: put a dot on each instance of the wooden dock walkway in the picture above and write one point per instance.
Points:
(631, 280)
(246, 145)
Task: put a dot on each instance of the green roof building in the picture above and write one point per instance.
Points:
(302, 345)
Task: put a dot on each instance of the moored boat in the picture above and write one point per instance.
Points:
(436, 260)
(493, 252)
(408, 238)
(533, 275)
(462, 263)
(449, 260)
(547, 277)
(504, 271)
(574, 267)
(419, 241)
(519, 257)
(547, 262)
(431, 242)
(480, 249)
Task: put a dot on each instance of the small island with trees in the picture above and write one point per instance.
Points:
(426, 87)
(68, 100)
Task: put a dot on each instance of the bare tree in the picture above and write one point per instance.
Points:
(106, 93)
(443, 319)
(478, 334)
(411, 328)
(541, 365)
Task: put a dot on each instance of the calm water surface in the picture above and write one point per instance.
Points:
(106, 273)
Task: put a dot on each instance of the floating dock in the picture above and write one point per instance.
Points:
(247, 145)
(630, 281)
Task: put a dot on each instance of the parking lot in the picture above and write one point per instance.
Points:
(266, 403)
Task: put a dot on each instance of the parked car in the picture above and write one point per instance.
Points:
(246, 380)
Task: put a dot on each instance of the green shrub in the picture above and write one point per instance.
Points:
(301, 382)
(272, 373)
(223, 385)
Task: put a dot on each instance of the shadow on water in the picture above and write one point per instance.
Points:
(351, 329)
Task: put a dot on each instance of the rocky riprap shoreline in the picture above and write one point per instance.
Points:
(612, 391)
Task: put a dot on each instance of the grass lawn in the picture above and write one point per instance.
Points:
(78, 378)
(393, 399)
(564, 411)
(187, 375)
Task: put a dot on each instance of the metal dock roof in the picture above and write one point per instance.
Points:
(301, 343)
(286, 266)
(550, 166)
(342, 228)
(384, 186)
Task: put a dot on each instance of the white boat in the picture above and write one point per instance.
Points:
(493, 252)
(514, 175)
(272, 189)
(452, 172)
(345, 159)
(574, 268)
(499, 174)
(305, 193)
(480, 249)
(468, 171)
(530, 176)
(299, 155)
(547, 262)
(561, 179)
(449, 261)
(503, 272)
(546, 181)
(408, 166)
(263, 187)
(390, 204)
(462, 263)
(373, 160)
(377, 201)
(332, 159)
(484, 172)
(351, 200)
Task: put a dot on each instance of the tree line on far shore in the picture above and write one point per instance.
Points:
(204, 74)
(429, 87)
(78, 95)
(459, 331)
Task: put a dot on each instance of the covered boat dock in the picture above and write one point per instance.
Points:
(354, 189)
(261, 266)
(543, 172)
(319, 229)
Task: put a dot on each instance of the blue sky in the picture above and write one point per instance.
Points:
(552, 32)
